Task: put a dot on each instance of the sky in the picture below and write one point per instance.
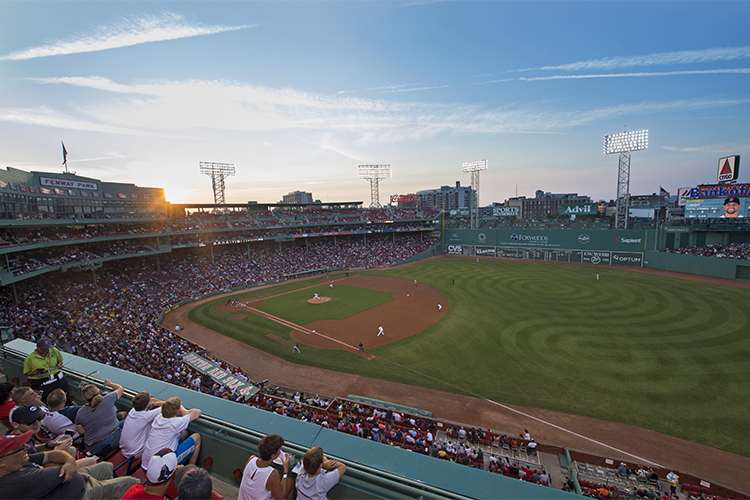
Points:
(298, 94)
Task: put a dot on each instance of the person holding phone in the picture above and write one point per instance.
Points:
(59, 418)
(260, 481)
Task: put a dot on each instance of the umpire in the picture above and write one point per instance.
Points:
(43, 368)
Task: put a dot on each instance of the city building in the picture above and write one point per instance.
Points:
(544, 204)
(447, 197)
(298, 197)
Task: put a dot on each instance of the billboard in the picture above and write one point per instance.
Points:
(729, 169)
(506, 211)
(459, 212)
(716, 208)
(578, 209)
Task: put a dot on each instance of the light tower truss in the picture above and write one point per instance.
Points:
(217, 172)
(475, 167)
(624, 144)
(374, 173)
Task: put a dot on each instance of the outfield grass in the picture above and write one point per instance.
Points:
(661, 353)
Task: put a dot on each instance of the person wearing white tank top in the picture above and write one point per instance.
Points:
(260, 481)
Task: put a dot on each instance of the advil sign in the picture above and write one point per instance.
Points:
(578, 209)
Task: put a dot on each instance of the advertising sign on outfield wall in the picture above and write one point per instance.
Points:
(506, 211)
(572, 256)
(459, 212)
(485, 252)
(611, 240)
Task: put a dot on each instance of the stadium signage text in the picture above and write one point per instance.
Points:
(459, 212)
(404, 198)
(219, 375)
(506, 211)
(455, 249)
(47, 181)
(738, 190)
(526, 237)
(578, 209)
(620, 239)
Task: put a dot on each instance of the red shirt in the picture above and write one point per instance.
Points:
(5, 412)
(138, 492)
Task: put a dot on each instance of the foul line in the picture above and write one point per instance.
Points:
(525, 414)
(291, 325)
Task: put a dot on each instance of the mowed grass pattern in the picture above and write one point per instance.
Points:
(661, 353)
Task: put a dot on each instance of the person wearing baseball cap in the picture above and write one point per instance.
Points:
(731, 208)
(42, 367)
(53, 474)
(162, 468)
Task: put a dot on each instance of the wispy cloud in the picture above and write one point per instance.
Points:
(656, 59)
(338, 123)
(636, 75)
(711, 148)
(415, 89)
(125, 33)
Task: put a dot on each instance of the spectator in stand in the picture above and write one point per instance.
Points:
(59, 418)
(27, 396)
(163, 467)
(6, 403)
(137, 424)
(42, 367)
(27, 418)
(53, 474)
(193, 483)
(97, 421)
(169, 430)
(319, 475)
(260, 481)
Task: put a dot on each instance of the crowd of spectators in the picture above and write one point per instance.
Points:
(732, 251)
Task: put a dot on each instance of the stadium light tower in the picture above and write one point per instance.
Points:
(374, 173)
(624, 144)
(218, 172)
(475, 167)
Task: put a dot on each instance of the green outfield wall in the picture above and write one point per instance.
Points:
(610, 247)
(695, 264)
(617, 247)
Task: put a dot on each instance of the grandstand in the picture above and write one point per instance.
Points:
(97, 274)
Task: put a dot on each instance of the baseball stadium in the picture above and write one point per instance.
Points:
(434, 359)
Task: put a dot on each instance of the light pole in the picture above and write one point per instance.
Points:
(475, 167)
(374, 173)
(624, 144)
(218, 172)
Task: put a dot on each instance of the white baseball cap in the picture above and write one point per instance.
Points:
(161, 467)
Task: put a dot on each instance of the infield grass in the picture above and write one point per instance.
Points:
(661, 353)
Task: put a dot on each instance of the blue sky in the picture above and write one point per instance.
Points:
(297, 94)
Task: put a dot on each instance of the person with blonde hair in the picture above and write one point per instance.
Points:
(97, 421)
(169, 430)
(260, 481)
(319, 475)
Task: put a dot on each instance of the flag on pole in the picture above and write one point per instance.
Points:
(65, 154)
(663, 192)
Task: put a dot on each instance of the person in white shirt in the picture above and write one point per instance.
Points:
(137, 424)
(59, 418)
(169, 430)
(318, 476)
(260, 481)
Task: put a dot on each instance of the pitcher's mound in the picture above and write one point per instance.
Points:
(319, 300)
